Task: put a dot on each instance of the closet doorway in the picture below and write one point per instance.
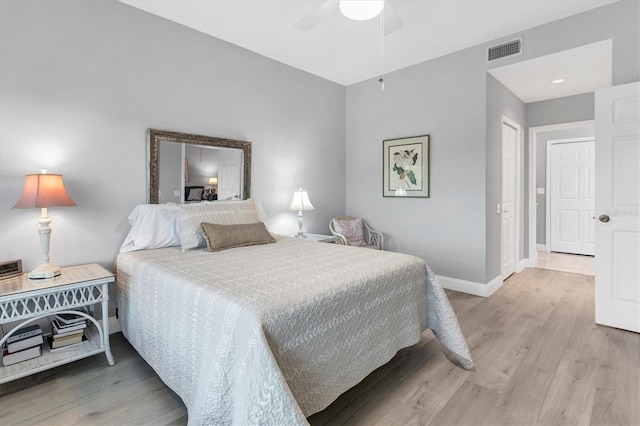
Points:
(508, 209)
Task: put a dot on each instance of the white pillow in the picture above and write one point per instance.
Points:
(152, 226)
(190, 216)
(262, 214)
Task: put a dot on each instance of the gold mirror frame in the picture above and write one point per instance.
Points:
(157, 136)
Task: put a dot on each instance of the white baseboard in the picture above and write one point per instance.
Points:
(114, 325)
(470, 287)
(541, 247)
(521, 265)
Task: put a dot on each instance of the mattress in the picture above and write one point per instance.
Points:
(271, 334)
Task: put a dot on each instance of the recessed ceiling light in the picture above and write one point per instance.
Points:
(558, 81)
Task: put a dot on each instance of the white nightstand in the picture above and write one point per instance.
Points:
(321, 238)
(25, 300)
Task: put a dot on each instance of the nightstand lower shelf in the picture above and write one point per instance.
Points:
(50, 359)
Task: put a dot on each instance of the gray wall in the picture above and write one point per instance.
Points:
(440, 98)
(561, 110)
(501, 102)
(82, 81)
(447, 98)
(617, 21)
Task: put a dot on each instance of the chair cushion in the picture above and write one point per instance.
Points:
(351, 228)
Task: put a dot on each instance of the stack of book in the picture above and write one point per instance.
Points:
(24, 344)
(67, 330)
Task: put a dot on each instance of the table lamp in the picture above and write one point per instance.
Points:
(210, 192)
(44, 191)
(213, 181)
(300, 202)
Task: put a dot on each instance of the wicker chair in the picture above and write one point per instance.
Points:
(354, 231)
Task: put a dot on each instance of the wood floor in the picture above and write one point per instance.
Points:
(540, 359)
(576, 263)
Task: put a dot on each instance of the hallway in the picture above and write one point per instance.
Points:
(575, 263)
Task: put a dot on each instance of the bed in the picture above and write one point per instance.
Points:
(272, 333)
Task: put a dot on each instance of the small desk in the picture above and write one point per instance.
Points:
(27, 301)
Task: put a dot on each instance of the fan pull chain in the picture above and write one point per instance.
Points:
(381, 79)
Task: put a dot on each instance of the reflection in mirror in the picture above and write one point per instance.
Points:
(186, 168)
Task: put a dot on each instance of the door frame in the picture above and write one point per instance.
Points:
(548, 184)
(534, 133)
(518, 266)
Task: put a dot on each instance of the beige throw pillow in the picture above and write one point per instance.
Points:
(222, 237)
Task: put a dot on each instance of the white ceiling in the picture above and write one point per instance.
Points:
(584, 69)
(346, 51)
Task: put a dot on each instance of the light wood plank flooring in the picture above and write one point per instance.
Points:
(576, 263)
(540, 359)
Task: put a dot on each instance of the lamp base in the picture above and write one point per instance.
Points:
(300, 231)
(44, 271)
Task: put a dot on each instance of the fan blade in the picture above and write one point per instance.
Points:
(392, 21)
(312, 19)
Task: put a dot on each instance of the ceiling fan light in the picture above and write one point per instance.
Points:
(361, 10)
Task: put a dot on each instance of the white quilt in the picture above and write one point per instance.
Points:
(273, 333)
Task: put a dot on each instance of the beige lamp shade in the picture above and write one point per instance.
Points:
(300, 201)
(213, 181)
(43, 190)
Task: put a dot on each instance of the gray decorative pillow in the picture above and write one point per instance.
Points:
(194, 193)
(222, 237)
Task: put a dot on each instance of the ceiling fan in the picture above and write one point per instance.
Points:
(353, 9)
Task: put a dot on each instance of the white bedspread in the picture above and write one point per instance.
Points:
(271, 334)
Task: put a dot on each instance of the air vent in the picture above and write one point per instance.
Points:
(504, 50)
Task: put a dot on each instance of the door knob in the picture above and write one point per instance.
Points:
(604, 218)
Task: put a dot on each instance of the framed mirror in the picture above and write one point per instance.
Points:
(187, 168)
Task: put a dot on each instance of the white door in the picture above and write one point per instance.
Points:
(572, 197)
(509, 141)
(618, 206)
(230, 174)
